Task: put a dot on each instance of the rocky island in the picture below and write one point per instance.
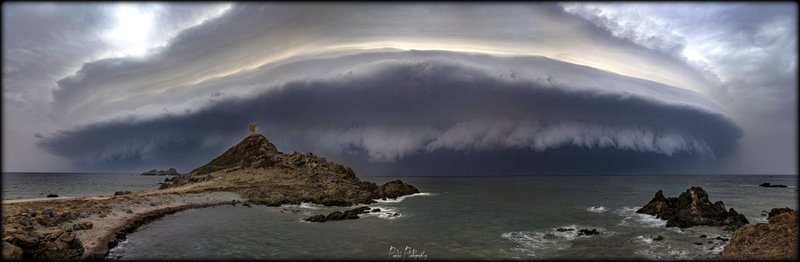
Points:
(253, 171)
(169, 172)
(692, 208)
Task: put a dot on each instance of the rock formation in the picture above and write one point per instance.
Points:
(692, 208)
(338, 215)
(263, 175)
(775, 240)
(168, 172)
(770, 185)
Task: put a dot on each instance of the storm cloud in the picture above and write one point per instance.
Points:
(401, 105)
(404, 88)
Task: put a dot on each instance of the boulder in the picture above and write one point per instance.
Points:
(52, 195)
(119, 193)
(659, 238)
(692, 208)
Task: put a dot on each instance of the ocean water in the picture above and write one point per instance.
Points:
(468, 218)
(36, 185)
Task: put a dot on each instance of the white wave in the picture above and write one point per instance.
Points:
(631, 218)
(645, 239)
(399, 199)
(385, 213)
(597, 209)
(304, 205)
(531, 243)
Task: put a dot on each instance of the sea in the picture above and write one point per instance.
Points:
(489, 217)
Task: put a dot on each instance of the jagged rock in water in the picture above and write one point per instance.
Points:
(397, 188)
(338, 215)
(692, 208)
(775, 240)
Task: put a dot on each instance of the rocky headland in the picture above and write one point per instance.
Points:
(251, 172)
(692, 208)
(775, 240)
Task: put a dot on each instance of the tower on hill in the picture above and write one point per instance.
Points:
(253, 129)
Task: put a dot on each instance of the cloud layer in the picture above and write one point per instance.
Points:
(395, 106)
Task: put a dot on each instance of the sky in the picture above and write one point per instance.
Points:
(404, 88)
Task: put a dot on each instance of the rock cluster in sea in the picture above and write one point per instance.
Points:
(692, 208)
(775, 240)
(168, 172)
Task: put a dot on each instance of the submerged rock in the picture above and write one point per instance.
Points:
(659, 238)
(775, 240)
(692, 208)
(52, 195)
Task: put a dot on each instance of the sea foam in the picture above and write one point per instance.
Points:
(400, 199)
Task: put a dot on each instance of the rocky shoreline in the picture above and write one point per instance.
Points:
(252, 172)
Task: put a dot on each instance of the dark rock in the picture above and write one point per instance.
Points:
(769, 185)
(395, 214)
(703, 236)
(52, 195)
(119, 193)
(692, 208)
(721, 239)
(376, 210)
(338, 215)
(561, 229)
(397, 188)
(698, 243)
(246, 204)
(659, 238)
(777, 211)
(588, 232)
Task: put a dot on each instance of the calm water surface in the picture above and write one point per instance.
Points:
(468, 218)
(34, 185)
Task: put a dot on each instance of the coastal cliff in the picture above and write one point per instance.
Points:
(252, 171)
(775, 240)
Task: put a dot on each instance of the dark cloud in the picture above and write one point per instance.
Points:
(433, 116)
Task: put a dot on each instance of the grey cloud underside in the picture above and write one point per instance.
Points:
(431, 116)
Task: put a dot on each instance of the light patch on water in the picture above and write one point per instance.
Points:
(597, 209)
(400, 199)
(533, 243)
(304, 205)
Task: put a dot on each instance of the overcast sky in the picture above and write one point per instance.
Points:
(404, 88)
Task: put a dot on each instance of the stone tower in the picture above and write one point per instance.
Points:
(253, 129)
